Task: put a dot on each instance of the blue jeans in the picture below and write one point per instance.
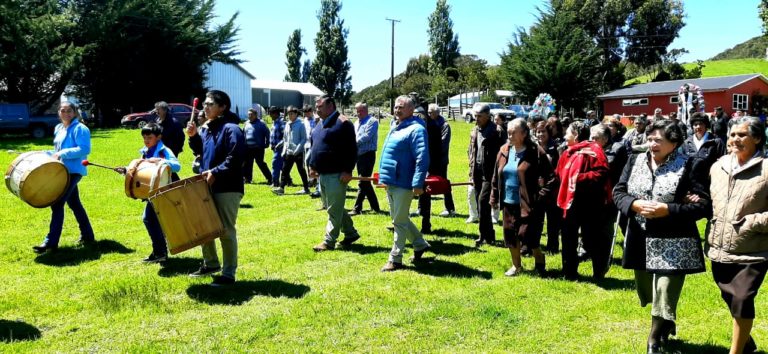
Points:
(159, 247)
(277, 166)
(72, 198)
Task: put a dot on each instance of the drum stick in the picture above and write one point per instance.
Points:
(462, 184)
(192, 116)
(88, 163)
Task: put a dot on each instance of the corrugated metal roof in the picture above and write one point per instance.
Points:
(305, 88)
(671, 87)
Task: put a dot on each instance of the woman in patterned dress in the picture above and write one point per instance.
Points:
(663, 200)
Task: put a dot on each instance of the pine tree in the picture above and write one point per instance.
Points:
(293, 57)
(330, 68)
(443, 43)
(306, 70)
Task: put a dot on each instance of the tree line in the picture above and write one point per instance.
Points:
(114, 55)
(575, 50)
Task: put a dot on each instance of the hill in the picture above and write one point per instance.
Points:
(753, 48)
(714, 68)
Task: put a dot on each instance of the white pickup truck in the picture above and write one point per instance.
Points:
(496, 108)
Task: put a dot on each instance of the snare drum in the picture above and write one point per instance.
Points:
(187, 213)
(37, 178)
(142, 177)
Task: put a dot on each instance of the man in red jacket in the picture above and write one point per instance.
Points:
(584, 189)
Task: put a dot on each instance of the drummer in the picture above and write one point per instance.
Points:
(221, 144)
(72, 144)
(155, 151)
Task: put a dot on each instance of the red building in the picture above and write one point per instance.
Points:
(733, 93)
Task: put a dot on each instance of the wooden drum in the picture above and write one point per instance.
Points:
(187, 213)
(37, 178)
(142, 177)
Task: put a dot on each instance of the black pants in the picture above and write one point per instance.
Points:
(590, 219)
(255, 154)
(365, 190)
(483, 196)
(288, 162)
(554, 224)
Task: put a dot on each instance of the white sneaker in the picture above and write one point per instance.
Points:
(471, 220)
(278, 191)
(513, 271)
(447, 213)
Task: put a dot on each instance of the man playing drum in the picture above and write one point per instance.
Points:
(222, 146)
(155, 151)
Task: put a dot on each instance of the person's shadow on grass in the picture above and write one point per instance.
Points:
(15, 331)
(440, 268)
(242, 291)
(175, 266)
(452, 233)
(363, 249)
(679, 346)
(74, 255)
(450, 249)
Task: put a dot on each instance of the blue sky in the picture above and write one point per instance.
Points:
(484, 28)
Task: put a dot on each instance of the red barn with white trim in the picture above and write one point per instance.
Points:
(731, 92)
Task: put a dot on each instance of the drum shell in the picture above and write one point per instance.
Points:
(436, 185)
(187, 213)
(37, 178)
(143, 176)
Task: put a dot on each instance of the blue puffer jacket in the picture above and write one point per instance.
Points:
(405, 158)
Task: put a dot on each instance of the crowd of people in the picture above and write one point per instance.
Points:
(587, 178)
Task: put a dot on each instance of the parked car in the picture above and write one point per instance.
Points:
(15, 118)
(181, 112)
(520, 110)
(496, 108)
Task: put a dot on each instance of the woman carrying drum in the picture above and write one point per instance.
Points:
(72, 144)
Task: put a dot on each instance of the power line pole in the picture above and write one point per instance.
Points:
(392, 69)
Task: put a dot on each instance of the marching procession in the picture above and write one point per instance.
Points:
(580, 181)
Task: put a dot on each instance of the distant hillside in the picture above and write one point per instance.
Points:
(753, 48)
(714, 68)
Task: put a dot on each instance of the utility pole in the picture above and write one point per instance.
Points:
(392, 68)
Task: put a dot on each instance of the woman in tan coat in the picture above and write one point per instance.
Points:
(737, 243)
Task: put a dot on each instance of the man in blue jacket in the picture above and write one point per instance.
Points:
(333, 156)
(403, 168)
(222, 146)
(256, 140)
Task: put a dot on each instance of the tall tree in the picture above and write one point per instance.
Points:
(306, 70)
(652, 28)
(330, 68)
(150, 50)
(762, 9)
(553, 57)
(293, 57)
(37, 52)
(443, 43)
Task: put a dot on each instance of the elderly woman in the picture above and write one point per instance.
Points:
(522, 178)
(72, 144)
(583, 195)
(702, 142)
(545, 131)
(737, 244)
(662, 199)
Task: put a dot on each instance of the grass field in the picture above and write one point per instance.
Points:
(715, 68)
(290, 299)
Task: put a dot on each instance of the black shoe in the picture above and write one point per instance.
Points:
(44, 247)
(655, 348)
(204, 271)
(349, 240)
(669, 329)
(392, 266)
(355, 212)
(391, 227)
(479, 242)
(152, 258)
(541, 269)
(222, 280)
(750, 347)
(655, 344)
(418, 254)
(315, 195)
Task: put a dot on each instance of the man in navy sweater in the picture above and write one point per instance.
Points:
(222, 147)
(333, 157)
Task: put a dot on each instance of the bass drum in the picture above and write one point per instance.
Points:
(37, 178)
(143, 177)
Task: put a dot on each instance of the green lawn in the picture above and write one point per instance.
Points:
(720, 68)
(290, 299)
